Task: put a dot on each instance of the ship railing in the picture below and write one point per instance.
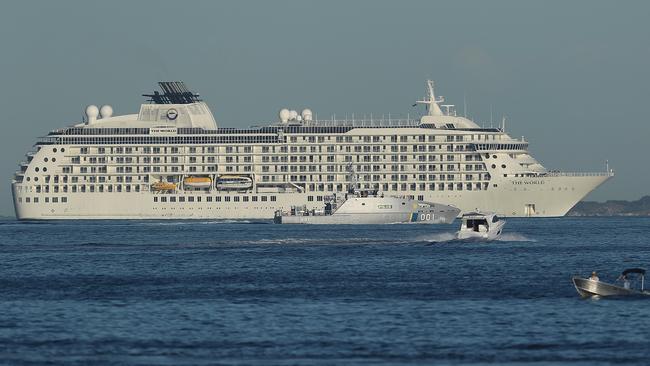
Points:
(365, 122)
(577, 174)
(46, 140)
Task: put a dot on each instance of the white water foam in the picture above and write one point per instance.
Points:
(514, 237)
(437, 238)
(449, 236)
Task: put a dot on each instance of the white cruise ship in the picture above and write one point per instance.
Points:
(172, 161)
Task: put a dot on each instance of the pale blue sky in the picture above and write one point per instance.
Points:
(572, 76)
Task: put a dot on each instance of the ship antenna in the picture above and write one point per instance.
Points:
(490, 113)
(465, 105)
(430, 101)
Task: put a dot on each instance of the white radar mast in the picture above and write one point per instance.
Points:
(431, 102)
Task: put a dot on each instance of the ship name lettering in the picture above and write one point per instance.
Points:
(527, 182)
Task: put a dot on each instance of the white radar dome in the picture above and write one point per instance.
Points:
(293, 115)
(91, 113)
(106, 111)
(284, 115)
(306, 115)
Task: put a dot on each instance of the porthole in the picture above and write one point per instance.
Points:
(28, 179)
(36, 169)
(35, 179)
(54, 159)
(44, 169)
(62, 149)
(502, 165)
(54, 149)
(45, 160)
(494, 156)
(494, 166)
(487, 156)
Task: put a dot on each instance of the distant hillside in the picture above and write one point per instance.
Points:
(639, 207)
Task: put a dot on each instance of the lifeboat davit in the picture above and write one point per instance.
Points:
(234, 182)
(198, 182)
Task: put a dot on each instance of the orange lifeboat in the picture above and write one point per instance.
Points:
(198, 182)
(163, 186)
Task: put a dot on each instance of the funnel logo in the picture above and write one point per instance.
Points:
(172, 114)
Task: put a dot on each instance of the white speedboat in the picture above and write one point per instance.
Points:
(480, 225)
(588, 287)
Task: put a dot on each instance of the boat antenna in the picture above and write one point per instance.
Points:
(503, 124)
(490, 113)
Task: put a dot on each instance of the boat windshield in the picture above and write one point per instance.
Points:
(476, 224)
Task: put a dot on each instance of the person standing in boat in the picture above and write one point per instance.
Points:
(594, 276)
(626, 282)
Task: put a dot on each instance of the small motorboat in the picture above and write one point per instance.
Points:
(480, 225)
(588, 287)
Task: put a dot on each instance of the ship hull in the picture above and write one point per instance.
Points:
(549, 196)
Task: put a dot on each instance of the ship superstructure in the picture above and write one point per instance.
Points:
(171, 160)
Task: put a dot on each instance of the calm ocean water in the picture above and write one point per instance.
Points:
(187, 293)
